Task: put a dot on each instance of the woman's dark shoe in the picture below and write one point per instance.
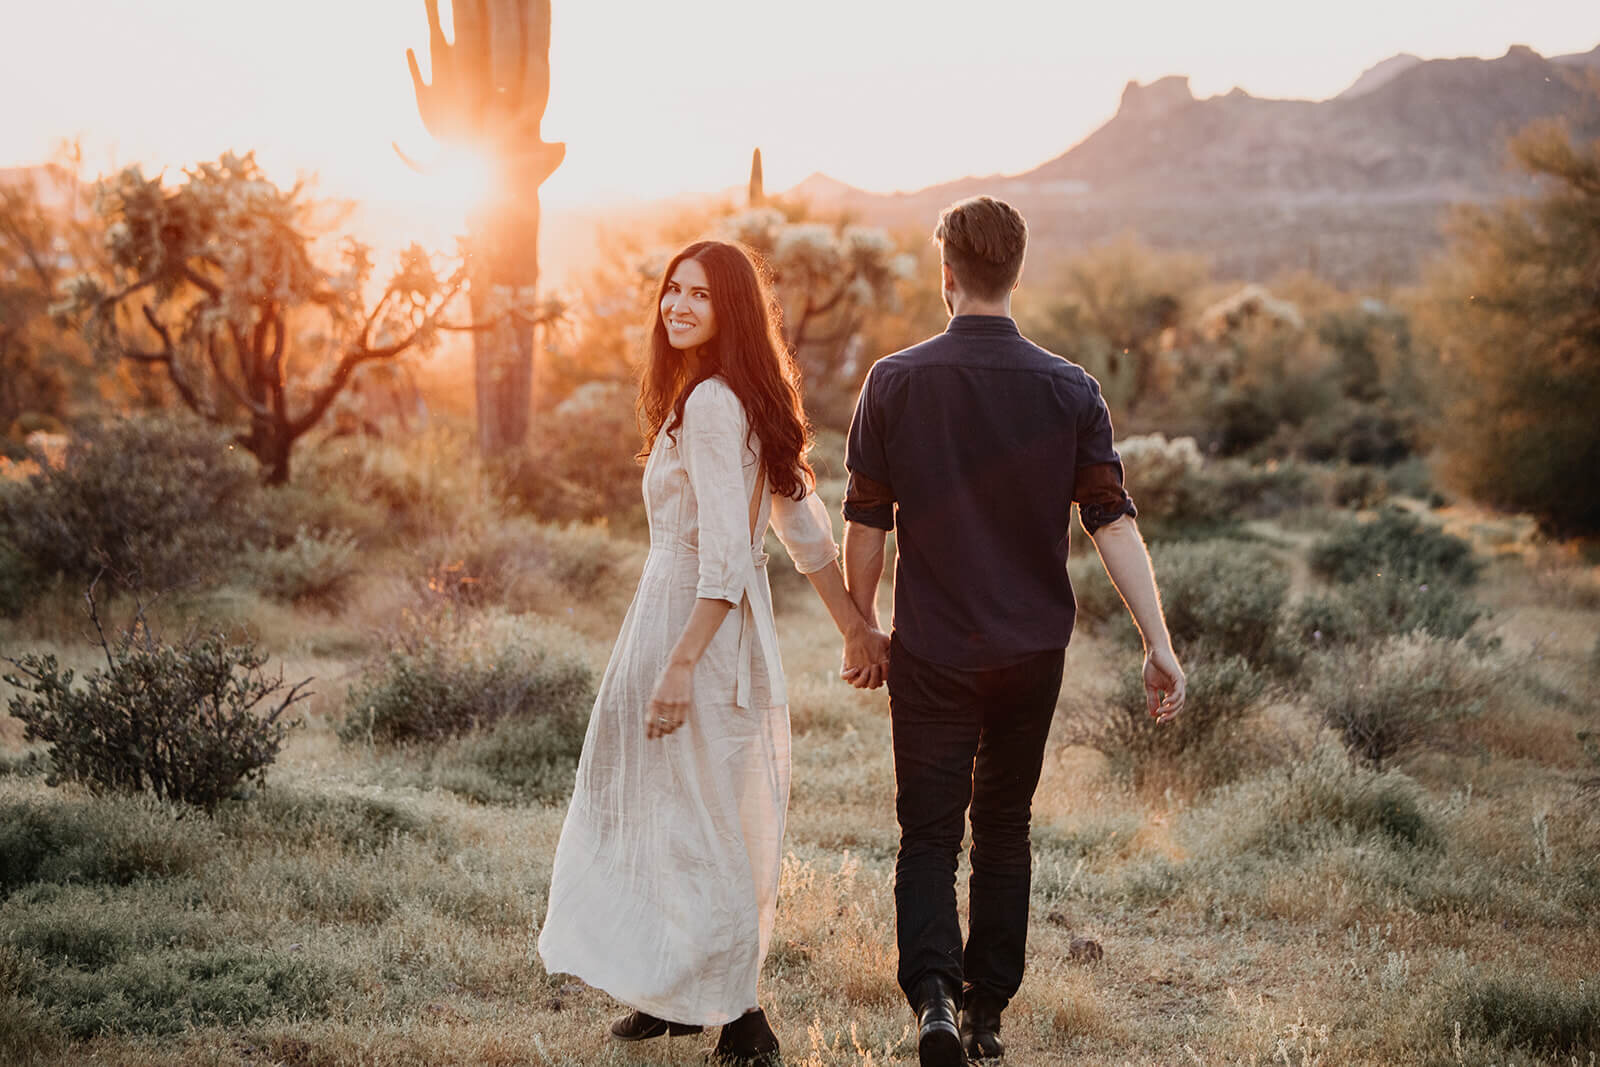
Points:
(980, 1027)
(748, 1040)
(637, 1026)
(938, 1040)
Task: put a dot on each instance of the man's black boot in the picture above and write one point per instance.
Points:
(938, 1039)
(980, 1026)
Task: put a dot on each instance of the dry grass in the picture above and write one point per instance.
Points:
(1303, 915)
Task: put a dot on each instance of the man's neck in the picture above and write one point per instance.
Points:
(961, 304)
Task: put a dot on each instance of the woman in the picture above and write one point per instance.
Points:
(666, 876)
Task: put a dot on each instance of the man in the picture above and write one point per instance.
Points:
(973, 446)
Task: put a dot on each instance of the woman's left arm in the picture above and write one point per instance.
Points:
(807, 534)
(674, 691)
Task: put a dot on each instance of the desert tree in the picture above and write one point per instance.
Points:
(1114, 304)
(832, 278)
(217, 282)
(47, 233)
(1514, 306)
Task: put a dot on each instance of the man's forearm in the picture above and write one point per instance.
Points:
(863, 567)
(1123, 553)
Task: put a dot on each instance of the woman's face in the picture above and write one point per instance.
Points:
(686, 308)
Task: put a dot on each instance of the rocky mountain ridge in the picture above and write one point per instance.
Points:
(1353, 187)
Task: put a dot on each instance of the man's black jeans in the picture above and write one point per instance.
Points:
(966, 738)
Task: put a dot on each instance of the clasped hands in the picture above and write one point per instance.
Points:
(866, 658)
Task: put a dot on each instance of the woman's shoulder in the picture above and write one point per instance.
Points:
(715, 400)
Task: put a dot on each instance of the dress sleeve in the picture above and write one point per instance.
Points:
(712, 445)
(805, 530)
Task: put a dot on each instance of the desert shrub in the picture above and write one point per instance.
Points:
(512, 561)
(1266, 490)
(179, 721)
(579, 463)
(151, 502)
(1535, 1013)
(519, 759)
(357, 824)
(96, 841)
(1099, 603)
(1383, 700)
(1378, 607)
(1167, 482)
(1395, 545)
(1358, 433)
(417, 484)
(20, 581)
(312, 566)
(1358, 488)
(1222, 693)
(1227, 594)
(441, 684)
(28, 1035)
(1305, 805)
(167, 992)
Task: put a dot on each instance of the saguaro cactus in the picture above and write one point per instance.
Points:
(489, 92)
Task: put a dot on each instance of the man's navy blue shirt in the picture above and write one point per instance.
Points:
(973, 446)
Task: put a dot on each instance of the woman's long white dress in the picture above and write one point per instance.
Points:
(666, 876)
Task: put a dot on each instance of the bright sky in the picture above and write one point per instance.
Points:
(658, 98)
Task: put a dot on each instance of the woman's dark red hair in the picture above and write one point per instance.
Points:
(747, 351)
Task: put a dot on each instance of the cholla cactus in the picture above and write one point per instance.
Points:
(489, 91)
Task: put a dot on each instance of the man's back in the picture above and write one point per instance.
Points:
(979, 437)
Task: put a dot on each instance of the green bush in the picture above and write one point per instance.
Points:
(1265, 490)
(579, 464)
(357, 824)
(445, 684)
(311, 567)
(179, 721)
(1228, 595)
(1379, 607)
(1167, 482)
(1395, 545)
(1535, 1013)
(98, 841)
(152, 503)
(512, 561)
(1306, 805)
(1222, 693)
(412, 486)
(1401, 694)
(519, 759)
(20, 581)
(1099, 603)
(168, 992)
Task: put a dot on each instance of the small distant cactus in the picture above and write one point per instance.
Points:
(758, 193)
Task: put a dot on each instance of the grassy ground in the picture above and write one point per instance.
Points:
(1439, 911)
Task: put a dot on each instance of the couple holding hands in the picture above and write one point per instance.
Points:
(972, 446)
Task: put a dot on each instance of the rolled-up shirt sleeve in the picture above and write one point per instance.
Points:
(712, 445)
(805, 530)
(1098, 486)
(869, 500)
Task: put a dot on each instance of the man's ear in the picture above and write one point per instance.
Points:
(947, 277)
